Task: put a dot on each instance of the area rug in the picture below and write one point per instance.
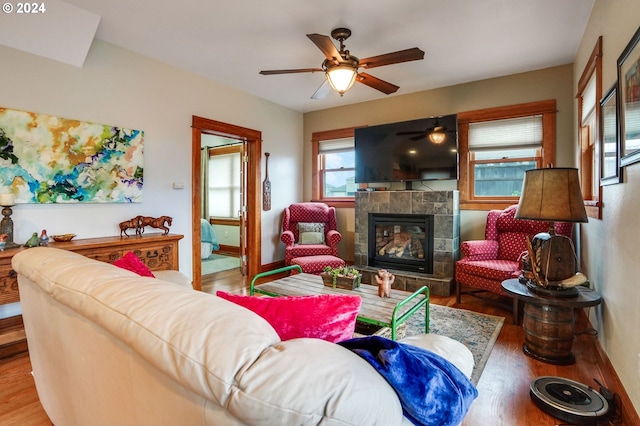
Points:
(476, 331)
(218, 262)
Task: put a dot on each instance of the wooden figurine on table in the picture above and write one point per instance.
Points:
(384, 279)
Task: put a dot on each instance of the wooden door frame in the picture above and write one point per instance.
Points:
(253, 235)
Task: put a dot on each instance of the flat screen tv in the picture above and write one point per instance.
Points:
(404, 151)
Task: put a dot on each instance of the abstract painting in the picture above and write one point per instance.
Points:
(47, 159)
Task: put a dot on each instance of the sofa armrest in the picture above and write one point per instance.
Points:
(479, 249)
(333, 238)
(288, 238)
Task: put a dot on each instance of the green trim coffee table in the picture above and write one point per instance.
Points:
(375, 310)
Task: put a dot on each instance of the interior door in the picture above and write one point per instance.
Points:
(244, 165)
(251, 216)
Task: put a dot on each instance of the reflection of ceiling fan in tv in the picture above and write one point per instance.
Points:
(436, 133)
(341, 68)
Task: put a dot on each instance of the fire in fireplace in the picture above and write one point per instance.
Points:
(401, 241)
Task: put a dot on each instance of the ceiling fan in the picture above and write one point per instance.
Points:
(341, 68)
(436, 133)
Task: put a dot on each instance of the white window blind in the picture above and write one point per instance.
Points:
(336, 145)
(589, 99)
(523, 132)
(224, 185)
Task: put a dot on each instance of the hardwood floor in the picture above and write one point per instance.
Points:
(503, 387)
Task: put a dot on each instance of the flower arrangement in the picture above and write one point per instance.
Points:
(346, 277)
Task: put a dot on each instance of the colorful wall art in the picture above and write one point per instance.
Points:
(46, 159)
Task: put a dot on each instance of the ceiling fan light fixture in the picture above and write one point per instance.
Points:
(437, 136)
(341, 77)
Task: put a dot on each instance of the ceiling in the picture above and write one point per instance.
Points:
(230, 41)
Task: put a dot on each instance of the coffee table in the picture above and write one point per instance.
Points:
(375, 310)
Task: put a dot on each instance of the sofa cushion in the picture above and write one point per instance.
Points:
(329, 317)
(132, 263)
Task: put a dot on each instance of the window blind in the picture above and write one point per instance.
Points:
(519, 132)
(589, 99)
(335, 145)
(224, 185)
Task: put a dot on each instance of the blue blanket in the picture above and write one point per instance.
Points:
(208, 235)
(432, 391)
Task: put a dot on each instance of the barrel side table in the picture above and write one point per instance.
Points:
(548, 322)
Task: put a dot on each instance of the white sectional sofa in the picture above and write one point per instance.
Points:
(109, 347)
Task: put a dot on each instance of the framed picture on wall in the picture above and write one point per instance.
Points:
(610, 172)
(629, 101)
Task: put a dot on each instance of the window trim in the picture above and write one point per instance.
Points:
(545, 108)
(317, 184)
(589, 162)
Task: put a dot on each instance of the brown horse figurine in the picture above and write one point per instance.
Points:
(158, 223)
(131, 224)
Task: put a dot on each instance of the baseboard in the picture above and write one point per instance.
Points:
(231, 250)
(613, 383)
(272, 266)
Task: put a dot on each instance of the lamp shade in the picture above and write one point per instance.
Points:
(341, 77)
(553, 195)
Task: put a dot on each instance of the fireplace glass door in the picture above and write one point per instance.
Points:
(401, 241)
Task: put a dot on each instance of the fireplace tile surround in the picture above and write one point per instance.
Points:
(443, 205)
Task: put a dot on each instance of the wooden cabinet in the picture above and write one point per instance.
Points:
(157, 251)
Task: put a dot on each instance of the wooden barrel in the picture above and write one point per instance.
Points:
(549, 331)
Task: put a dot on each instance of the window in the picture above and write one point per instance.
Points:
(589, 94)
(497, 146)
(334, 167)
(224, 183)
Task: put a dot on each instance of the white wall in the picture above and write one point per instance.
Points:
(609, 252)
(118, 87)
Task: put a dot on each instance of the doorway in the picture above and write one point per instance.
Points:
(250, 240)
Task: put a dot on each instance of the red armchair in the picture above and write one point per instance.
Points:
(309, 229)
(486, 263)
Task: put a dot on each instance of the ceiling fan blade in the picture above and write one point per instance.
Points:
(375, 83)
(322, 91)
(419, 132)
(325, 44)
(273, 72)
(413, 54)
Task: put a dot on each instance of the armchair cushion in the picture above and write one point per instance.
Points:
(479, 249)
(311, 232)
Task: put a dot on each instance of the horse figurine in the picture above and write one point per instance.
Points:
(134, 223)
(158, 223)
(384, 279)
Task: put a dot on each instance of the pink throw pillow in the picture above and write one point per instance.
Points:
(132, 263)
(329, 317)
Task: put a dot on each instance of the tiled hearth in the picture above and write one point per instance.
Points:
(444, 205)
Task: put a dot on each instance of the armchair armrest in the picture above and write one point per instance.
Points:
(288, 238)
(479, 249)
(333, 238)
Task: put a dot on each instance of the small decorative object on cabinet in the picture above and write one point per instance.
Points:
(61, 238)
(44, 238)
(157, 222)
(34, 241)
(345, 277)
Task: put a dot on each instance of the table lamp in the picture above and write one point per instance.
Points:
(553, 195)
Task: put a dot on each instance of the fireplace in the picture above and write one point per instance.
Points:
(443, 206)
(401, 241)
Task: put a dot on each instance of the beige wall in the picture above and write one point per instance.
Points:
(609, 251)
(118, 87)
(551, 83)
